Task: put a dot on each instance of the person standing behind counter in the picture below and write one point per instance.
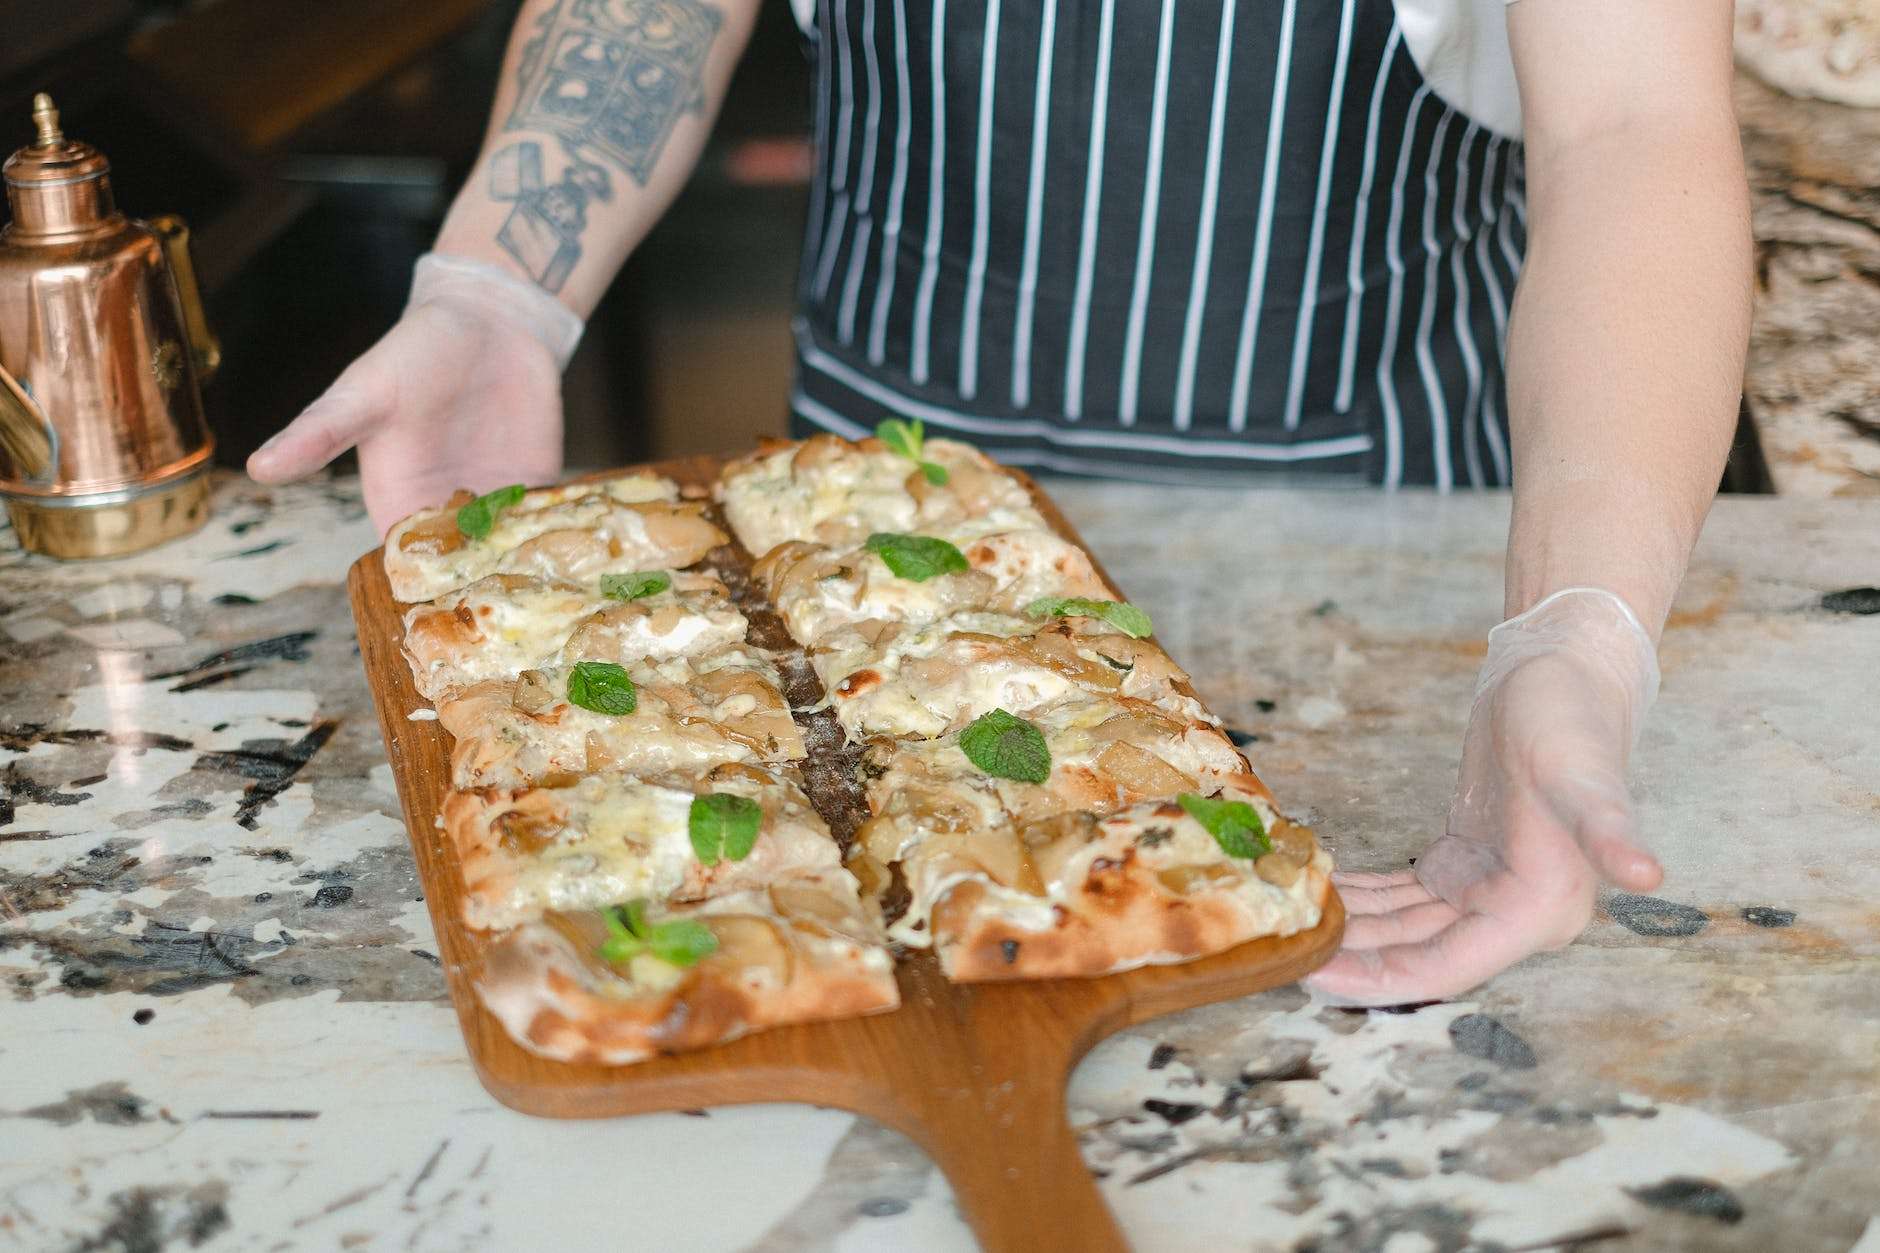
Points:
(1186, 241)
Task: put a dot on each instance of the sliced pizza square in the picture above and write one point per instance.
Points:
(574, 533)
(503, 624)
(834, 491)
(675, 716)
(629, 982)
(1003, 772)
(819, 590)
(889, 679)
(1083, 893)
(605, 839)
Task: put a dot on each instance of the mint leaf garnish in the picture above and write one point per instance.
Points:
(917, 557)
(1007, 747)
(476, 518)
(906, 439)
(1120, 614)
(1235, 825)
(723, 827)
(635, 585)
(602, 687)
(682, 941)
(903, 438)
(679, 941)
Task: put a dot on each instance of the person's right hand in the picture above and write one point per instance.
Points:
(464, 391)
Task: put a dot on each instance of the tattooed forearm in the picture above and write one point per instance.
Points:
(609, 79)
(543, 230)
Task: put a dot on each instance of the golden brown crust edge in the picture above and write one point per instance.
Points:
(1125, 921)
(530, 981)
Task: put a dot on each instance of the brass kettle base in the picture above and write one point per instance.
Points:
(116, 524)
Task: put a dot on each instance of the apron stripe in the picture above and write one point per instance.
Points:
(1354, 274)
(1204, 230)
(1145, 238)
(897, 193)
(839, 175)
(936, 172)
(1393, 255)
(1432, 282)
(865, 187)
(1465, 333)
(1263, 228)
(1497, 302)
(812, 242)
(1309, 288)
(982, 210)
(1034, 210)
(1498, 309)
(1087, 247)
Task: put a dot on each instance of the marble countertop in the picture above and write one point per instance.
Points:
(222, 1023)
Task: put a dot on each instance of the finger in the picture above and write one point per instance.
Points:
(1409, 925)
(1602, 820)
(1379, 893)
(1475, 948)
(1609, 839)
(324, 430)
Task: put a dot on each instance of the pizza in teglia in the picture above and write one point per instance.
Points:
(1045, 795)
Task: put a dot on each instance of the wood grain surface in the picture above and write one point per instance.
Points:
(973, 1073)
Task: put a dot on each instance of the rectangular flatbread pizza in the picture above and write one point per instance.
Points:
(1045, 795)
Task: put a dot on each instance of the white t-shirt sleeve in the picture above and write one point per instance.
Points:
(1461, 46)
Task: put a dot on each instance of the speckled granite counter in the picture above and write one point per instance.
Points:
(222, 1024)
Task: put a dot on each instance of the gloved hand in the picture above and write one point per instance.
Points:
(1541, 813)
(464, 391)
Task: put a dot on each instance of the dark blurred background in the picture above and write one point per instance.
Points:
(313, 148)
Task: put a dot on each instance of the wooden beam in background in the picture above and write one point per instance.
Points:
(263, 69)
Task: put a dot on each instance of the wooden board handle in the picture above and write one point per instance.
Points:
(985, 1100)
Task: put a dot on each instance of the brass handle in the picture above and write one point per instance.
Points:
(203, 345)
(28, 442)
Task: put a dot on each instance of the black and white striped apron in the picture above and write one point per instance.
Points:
(1157, 240)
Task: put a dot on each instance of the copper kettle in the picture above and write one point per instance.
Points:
(103, 344)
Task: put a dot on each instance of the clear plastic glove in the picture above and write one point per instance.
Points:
(464, 391)
(1541, 813)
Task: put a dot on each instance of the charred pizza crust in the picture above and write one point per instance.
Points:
(799, 950)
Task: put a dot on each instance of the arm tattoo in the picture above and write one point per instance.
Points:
(609, 79)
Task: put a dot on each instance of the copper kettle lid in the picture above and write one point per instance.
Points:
(55, 183)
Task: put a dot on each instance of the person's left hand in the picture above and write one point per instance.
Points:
(1541, 813)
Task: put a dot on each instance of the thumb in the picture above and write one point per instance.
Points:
(1599, 812)
(324, 430)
